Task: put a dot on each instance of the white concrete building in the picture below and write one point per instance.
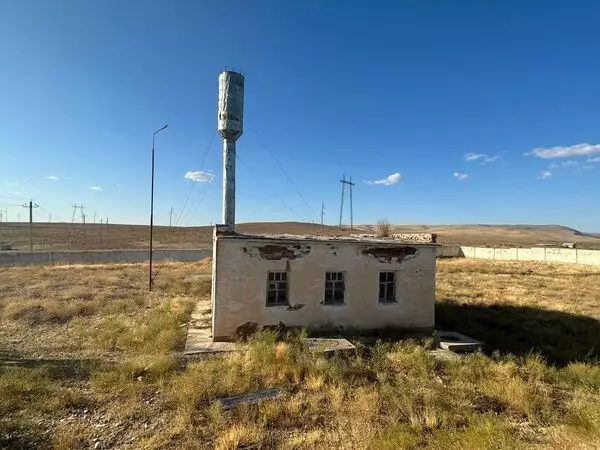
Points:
(320, 283)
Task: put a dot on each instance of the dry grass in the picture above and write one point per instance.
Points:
(110, 371)
(383, 228)
(517, 307)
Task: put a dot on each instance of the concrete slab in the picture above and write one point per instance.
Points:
(199, 342)
(252, 398)
(456, 342)
(324, 345)
(199, 337)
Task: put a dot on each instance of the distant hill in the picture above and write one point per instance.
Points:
(66, 236)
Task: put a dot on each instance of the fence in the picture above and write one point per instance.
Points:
(549, 254)
(100, 256)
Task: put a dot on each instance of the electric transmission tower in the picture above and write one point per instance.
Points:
(350, 184)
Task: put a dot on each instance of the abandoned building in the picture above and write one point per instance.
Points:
(312, 282)
(320, 283)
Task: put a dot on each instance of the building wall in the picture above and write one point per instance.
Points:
(240, 284)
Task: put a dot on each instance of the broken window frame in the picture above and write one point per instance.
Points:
(387, 287)
(278, 284)
(335, 288)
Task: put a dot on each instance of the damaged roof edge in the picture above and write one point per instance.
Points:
(325, 239)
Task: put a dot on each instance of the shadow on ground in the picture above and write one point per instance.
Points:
(560, 337)
(75, 368)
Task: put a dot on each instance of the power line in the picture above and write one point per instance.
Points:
(288, 177)
(292, 210)
(198, 205)
(192, 182)
(47, 212)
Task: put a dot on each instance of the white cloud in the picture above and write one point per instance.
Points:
(15, 194)
(591, 160)
(51, 177)
(390, 180)
(473, 156)
(545, 175)
(553, 166)
(565, 152)
(483, 158)
(96, 188)
(11, 183)
(588, 167)
(202, 177)
(570, 163)
(461, 176)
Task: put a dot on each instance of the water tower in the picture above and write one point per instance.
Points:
(231, 127)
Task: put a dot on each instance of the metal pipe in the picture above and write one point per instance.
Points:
(229, 184)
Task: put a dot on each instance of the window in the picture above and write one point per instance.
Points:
(387, 287)
(277, 288)
(334, 288)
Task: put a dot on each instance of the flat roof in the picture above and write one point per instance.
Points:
(317, 238)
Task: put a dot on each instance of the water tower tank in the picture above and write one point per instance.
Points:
(231, 105)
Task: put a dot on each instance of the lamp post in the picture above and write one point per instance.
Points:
(152, 207)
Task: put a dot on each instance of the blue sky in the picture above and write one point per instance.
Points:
(488, 111)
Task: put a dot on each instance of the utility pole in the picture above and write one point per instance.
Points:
(350, 184)
(343, 181)
(351, 211)
(31, 205)
(94, 217)
(322, 214)
(171, 217)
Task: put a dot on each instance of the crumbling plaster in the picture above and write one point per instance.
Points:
(240, 283)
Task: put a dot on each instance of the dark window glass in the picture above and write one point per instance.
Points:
(387, 287)
(334, 288)
(277, 288)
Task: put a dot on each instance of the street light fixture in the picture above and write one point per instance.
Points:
(150, 281)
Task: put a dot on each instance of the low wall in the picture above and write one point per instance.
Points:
(101, 256)
(549, 254)
(449, 251)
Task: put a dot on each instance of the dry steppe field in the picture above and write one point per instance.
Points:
(90, 359)
(67, 236)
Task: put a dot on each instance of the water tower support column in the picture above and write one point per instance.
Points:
(229, 184)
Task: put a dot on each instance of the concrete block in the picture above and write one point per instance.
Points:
(484, 253)
(506, 254)
(590, 257)
(532, 254)
(9, 258)
(456, 342)
(468, 252)
(561, 255)
(449, 251)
